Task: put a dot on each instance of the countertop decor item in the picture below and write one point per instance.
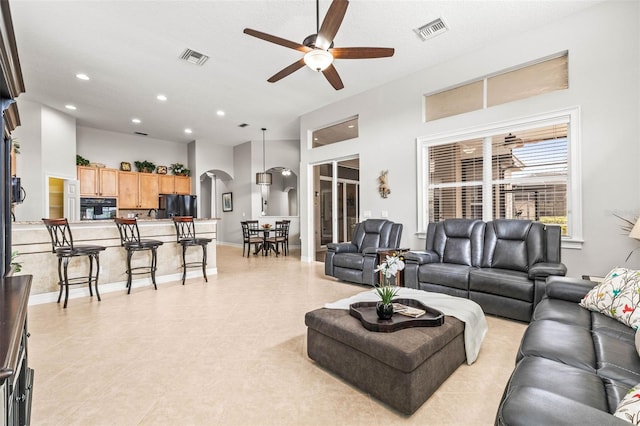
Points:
(179, 169)
(145, 166)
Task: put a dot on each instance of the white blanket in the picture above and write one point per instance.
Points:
(465, 310)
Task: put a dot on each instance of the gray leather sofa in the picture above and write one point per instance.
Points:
(573, 366)
(502, 265)
(357, 260)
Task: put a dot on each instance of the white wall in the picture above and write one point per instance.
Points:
(604, 67)
(112, 148)
(47, 145)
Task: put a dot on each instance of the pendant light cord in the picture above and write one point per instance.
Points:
(264, 167)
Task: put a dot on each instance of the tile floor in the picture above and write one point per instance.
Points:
(228, 352)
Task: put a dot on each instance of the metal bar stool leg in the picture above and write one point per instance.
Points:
(90, 256)
(154, 261)
(97, 256)
(184, 263)
(129, 283)
(60, 279)
(204, 262)
(66, 282)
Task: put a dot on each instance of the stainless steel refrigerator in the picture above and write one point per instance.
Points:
(177, 205)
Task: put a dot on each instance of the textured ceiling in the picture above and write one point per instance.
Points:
(131, 50)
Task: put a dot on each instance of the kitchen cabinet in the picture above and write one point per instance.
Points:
(174, 184)
(98, 181)
(137, 190)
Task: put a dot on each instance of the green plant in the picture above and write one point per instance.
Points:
(145, 166)
(81, 161)
(15, 144)
(180, 170)
(16, 265)
(386, 293)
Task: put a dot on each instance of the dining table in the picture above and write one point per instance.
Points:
(265, 247)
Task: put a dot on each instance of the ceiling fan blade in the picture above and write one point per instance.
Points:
(286, 71)
(331, 23)
(277, 40)
(361, 52)
(332, 77)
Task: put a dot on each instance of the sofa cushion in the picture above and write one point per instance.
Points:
(447, 274)
(617, 296)
(562, 311)
(349, 260)
(616, 359)
(629, 407)
(502, 282)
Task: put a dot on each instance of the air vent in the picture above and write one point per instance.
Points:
(243, 125)
(431, 29)
(194, 57)
(141, 133)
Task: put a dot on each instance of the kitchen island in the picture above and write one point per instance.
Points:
(33, 244)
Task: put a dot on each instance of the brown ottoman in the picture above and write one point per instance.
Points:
(401, 369)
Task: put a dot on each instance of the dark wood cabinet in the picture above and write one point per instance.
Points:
(16, 378)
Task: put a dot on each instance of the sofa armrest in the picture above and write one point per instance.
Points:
(569, 289)
(371, 251)
(546, 269)
(421, 257)
(342, 248)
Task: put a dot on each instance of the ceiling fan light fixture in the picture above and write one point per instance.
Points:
(318, 59)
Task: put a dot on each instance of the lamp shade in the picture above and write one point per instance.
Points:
(635, 232)
(263, 178)
(318, 59)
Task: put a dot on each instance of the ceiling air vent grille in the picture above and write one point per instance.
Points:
(194, 57)
(431, 29)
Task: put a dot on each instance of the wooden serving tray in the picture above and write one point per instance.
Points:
(366, 313)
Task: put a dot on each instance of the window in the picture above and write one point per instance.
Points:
(526, 169)
(335, 133)
(542, 76)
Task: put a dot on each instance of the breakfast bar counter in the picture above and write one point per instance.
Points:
(33, 244)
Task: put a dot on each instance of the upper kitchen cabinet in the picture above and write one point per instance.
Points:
(98, 181)
(174, 184)
(137, 190)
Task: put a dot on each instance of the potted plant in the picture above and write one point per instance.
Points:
(179, 169)
(81, 161)
(386, 291)
(145, 166)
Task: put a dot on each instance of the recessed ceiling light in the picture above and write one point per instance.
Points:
(188, 131)
(136, 120)
(220, 113)
(81, 76)
(71, 107)
(161, 97)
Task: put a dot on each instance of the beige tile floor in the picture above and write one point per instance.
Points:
(228, 352)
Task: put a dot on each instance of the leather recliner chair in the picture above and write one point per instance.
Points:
(356, 261)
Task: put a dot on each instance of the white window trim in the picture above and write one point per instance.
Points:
(571, 116)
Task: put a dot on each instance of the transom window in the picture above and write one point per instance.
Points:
(526, 169)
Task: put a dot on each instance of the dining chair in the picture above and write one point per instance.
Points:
(64, 248)
(130, 240)
(186, 237)
(249, 238)
(280, 237)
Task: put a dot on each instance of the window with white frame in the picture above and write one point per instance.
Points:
(525, 169)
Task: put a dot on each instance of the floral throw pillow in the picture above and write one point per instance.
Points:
(629, 407)
(617, 296)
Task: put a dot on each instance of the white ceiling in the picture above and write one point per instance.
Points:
(131, 51)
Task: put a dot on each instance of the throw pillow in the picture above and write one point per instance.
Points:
(629, 407)
(617, 296)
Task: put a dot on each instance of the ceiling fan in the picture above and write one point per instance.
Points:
(318, 48)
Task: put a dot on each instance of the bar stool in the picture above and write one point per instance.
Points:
(186, 237)
(62, 245)
(130, 240)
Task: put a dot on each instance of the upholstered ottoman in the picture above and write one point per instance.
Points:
(401, 369)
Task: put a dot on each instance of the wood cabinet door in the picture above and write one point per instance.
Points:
(88, 177)
(183, 185)
(128, 190)
(148, 190)
(166, 184)
(108, 183)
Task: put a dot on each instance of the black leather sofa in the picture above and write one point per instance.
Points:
(356, 261)
(573, 366)
(502, 265)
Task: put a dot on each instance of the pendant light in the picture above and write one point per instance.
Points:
(263, 178)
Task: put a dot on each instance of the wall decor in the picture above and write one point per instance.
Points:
(162, 170)
(383, 185)
(125, 166)
(227, 202)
